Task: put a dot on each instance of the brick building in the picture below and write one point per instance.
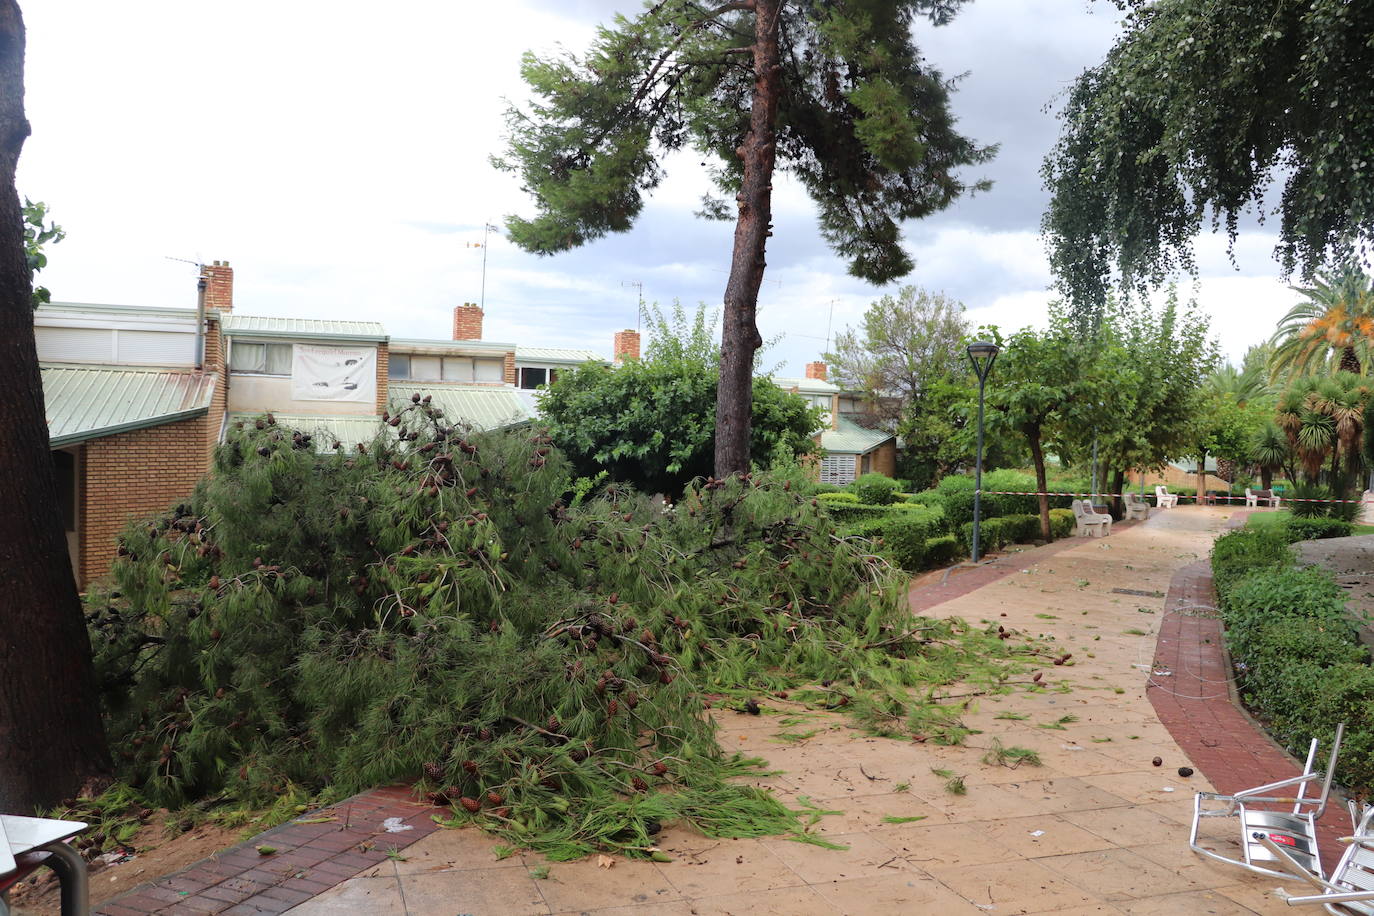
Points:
(849, 445)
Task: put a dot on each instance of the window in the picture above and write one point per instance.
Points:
(866, 464)
(446, 368)
(533, 378)
(837, 469)
(260, 358)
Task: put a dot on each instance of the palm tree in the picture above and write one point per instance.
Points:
(1333, 329)
(1270, 451)
(1324, 417)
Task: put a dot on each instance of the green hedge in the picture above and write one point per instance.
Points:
(995, 533)
(902, 534)
(1314, 529)
(1296, 650)
(874, 489)
(1062, 523)
(835, 496)
(944, 551)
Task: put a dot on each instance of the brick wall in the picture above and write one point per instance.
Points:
(137, 474)
(884, 459)
(219, 286)
(815, 370)
(510, 367)
(625, 345)
(467, 321)
(383, 375)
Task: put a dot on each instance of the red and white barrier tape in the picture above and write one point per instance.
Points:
(1282, 498)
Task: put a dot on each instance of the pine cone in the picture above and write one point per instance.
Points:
(434, 771)
(632, 699)
(639, 784)
(659, 768)
(484, 734)
(553, 724)
(665, 676)
(471, 804)
(613, 707)
(495, 798)
(470, 766)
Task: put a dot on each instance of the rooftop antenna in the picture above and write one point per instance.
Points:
(487, 230)
(639, 285)
(829, 325)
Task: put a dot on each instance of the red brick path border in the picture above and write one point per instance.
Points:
(1197, 702)
(310, 859)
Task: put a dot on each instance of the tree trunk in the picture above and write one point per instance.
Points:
(739, 332)
(1118, 484)
(1266, 477)
(1038, 458)
(1202, 477)
(51, 741)
(1349, 361)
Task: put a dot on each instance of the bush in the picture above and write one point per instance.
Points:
(875, 489)
(925, 498)
(1002, 504)
(1062, 523)
(1239, 553)
(1314, 529)
(903, 534)
(944, 550)
(956, 496)
(836, 496)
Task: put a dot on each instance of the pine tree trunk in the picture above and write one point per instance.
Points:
(51, 741)
(1118, 484)
(1038, 458)
(739, 333)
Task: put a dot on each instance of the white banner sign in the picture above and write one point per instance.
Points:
(334, 373)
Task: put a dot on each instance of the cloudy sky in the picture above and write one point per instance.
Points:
(337, 156)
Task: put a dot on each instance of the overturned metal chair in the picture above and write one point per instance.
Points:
(1350, 891)
(1264, 829)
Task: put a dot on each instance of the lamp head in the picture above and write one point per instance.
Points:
(982, 353)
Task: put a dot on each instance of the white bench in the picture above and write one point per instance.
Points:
(1254, 497)
(1136, 506)
(1090, 523)
(1164, 499)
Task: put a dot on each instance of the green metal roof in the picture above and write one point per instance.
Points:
(556, 355)
(255, 326)
(419, 344)
(478, 406)
(808, 385)
(326, 430)
(87, 402)
(851, 438)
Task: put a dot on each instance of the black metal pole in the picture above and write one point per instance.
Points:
(978, 471)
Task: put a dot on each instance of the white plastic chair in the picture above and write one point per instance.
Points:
(1164, 499)
(1136, 506)
(1090, 523)
(1262, 829)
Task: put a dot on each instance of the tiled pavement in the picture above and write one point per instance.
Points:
(1096, 829)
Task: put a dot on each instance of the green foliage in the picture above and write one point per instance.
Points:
(944, 550)
(996, 533)
(1237, 554)
(863, 124)
(1313, 529)
(1062, 523)
(1196, 113)
(651, 422)
(874, 489)
(39, 232)
(1330, 330)
(830, 499)
(903, 534)
(430, 608)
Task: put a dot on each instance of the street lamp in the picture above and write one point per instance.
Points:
(982, 354)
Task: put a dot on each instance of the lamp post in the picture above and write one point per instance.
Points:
(982, 354)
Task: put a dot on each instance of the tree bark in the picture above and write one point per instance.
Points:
(1118, 484)
(1038, 458)
(51, 740)
(739, 332)
(1202, 477)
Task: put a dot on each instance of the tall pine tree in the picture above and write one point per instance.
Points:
(835, 93)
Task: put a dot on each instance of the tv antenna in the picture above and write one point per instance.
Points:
(487, 230)
(639, 313)
(830, 324)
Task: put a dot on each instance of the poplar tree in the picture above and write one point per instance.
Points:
(834, 93)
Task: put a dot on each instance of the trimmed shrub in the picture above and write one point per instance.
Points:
(875, 489)
(1062, 523)
(925, 498)
(847, 513)
(1239, 553)
(903, 534)
(836, 496)
(1315, 529)
(944, 550)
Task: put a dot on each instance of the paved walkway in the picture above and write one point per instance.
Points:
(1096, 829)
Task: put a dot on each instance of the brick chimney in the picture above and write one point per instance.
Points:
(816, 370)
(467, 321)
(626, 345)
(219, 286)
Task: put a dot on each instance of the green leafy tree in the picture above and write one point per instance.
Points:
(1044, 385)
(1161, 357)
(906, 344)
(1200, 108)
(651, 422)
(1269, 450)
(1227, 431)
(1331, 330)
(1324, 418)
(837, 95)
(39, 232)
(938, 431)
